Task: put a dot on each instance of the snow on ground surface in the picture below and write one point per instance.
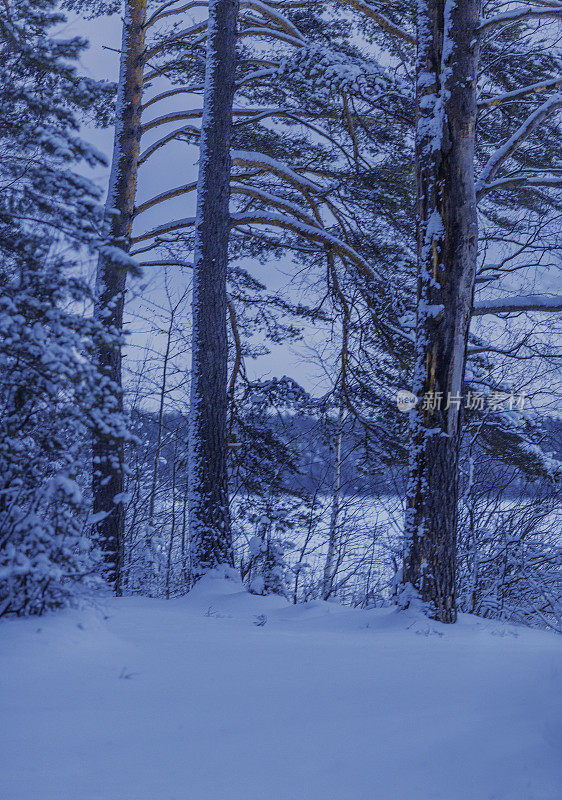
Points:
(145, 699)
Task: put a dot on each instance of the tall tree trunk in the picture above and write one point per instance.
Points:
(447, 250)
(209, 520)
(108, 468)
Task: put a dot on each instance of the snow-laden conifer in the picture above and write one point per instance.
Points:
(51, 396)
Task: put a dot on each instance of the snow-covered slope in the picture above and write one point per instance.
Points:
(226, 696)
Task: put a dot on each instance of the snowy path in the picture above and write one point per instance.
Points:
(173, 701)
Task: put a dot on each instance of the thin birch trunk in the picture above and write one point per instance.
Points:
(209, 520)
(161, 405)
(108, 469)
(173, 525)
(185, 549)
(328, 577)
(447, 249)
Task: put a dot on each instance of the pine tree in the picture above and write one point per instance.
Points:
(51, 395)
(209, 522)
(454, 171)
(447, 251)
(108, 482)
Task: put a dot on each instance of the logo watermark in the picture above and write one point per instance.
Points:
(472, 401)
(406, 401)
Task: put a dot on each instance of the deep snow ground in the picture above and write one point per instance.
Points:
(190, 699)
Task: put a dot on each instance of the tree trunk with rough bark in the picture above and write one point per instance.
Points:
(108, 468)
(447, 250)
(209, 519)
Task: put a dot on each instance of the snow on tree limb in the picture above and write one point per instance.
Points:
(183, 131)
(246, 158)
(382, 21)
(521, 179)
(275, 16)
(312, 232)
(196, 113)
(514, 305)
(274, 200)
(367, 9)
(506, 97)
(532, 122)
(250, 191)
(272, 33)
(161, 230)
(316, 234)
(282, 24)
(166, 95)
(520, 14)
(295, 116)
(162, 13)
(249, 116)
(173, 116)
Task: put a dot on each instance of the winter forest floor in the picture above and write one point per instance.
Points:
(191, 698)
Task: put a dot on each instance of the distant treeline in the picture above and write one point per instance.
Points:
(311, 438)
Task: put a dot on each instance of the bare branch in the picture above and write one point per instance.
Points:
(187, 129)
(161, 198)
(176, 37)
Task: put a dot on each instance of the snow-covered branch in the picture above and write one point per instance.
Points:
(197, 113)
(515, 305)
(516, 94)
(275, 201)
(166, 10)
(520, 14)
(521, 179)
(382, 21)
(501, 155)
(271, 33)
(183, 131)
(167, 94)
(162, 230)
(246, 158)
(314, 233)
(275, 16)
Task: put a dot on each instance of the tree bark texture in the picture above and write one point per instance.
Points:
(447, 238)
(108, 472)
(209, 520)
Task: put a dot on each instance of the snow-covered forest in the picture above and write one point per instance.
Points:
(281, 399)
